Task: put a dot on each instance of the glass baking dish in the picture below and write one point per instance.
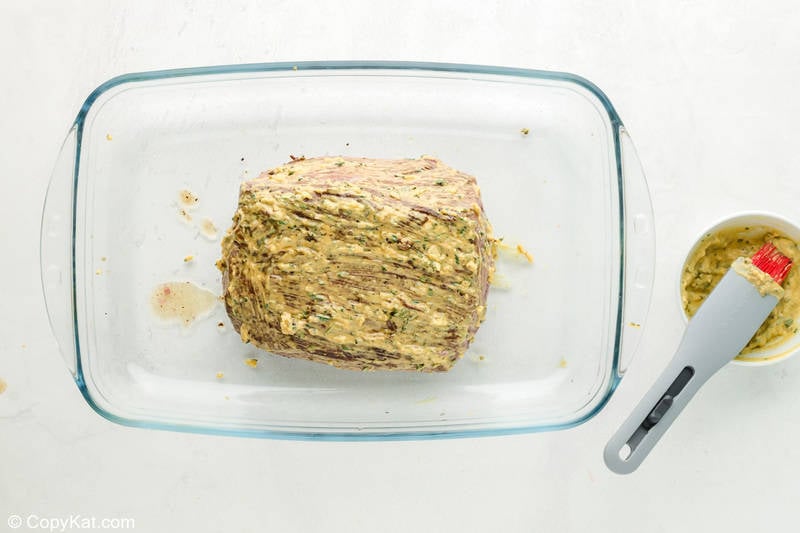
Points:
(558, 174)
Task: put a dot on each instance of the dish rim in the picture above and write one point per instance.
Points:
(615, 124)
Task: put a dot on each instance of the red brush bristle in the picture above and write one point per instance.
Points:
(770, 260)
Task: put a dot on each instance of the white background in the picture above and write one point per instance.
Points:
(709, 92)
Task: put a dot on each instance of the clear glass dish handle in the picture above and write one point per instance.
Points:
(639, 250)
(55, 251)
(57, 267)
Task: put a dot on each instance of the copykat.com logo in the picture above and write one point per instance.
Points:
(68, 523)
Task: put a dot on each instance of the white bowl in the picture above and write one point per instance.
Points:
(787, 348)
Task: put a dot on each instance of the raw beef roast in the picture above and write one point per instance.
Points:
(359, 263)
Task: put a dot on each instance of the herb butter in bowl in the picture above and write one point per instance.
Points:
(712, 256)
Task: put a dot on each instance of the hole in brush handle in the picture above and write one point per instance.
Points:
(658, 411)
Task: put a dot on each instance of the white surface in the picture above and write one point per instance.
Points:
(709, 95)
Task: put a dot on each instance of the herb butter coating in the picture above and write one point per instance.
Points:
(717, 252)
(360, 263)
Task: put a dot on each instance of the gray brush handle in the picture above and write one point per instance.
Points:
(723, 325)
